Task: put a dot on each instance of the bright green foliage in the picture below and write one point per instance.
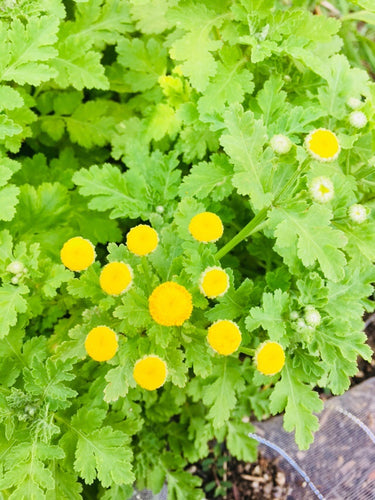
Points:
(299, 401)
(270, 316)
(115, 113)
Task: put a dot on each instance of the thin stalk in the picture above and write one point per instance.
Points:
(144, 264)
(247, 350)
(250, 228)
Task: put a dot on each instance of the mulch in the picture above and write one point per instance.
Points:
(264, 480)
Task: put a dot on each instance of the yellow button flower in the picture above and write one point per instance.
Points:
(170, 304)
(269, 358)
(101, 343)
(77, 254)
(150, 372)
(142, 240)
(206, 227)
(214, 282)
(224, 337)
(323, 144)
(116, 278)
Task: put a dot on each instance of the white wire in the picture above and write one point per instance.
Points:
(290, 460)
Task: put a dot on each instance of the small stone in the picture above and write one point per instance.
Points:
(280, 478)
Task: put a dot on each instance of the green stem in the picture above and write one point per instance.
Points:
(250, 228)
(247, 350)
(259, 220)
(144, 264)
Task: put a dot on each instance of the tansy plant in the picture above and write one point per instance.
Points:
(187, 232)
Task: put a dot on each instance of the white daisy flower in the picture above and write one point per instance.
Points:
(357, 213)
(321, 189)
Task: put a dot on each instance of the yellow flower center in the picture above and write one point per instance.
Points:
(224, 337)
(170, 304)
(214, 282)
(269, 358)
(77, 254)
(323, 144)
(142, 239)
(323, 189)
(206, 227)
(116, 278)
(101, 343)
(150, 372)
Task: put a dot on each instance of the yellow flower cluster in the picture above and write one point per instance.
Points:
(170, 304)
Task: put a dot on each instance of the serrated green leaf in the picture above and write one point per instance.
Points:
(220, 394)
(48, 380)
(209, 179)
(299, 402)
(230, 83)
(239, 443)
(233, 304)
(270, 315)
(12, 303)
(110, 189)
(102, 452)
(145, 62)
(195, 47)
(244, 143)
(28, 44)
(308, 233)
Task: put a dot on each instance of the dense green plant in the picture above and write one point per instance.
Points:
(118, 112)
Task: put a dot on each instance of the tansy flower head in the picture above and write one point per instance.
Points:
(214, 282)
(224, 337)
(170, 304)
(269, 358)
(357, 213)
(357, 119)
(150, 372)
(321, 189)
(142, 239)
(101, 343)
(77, 254)
(116, 278)
(323, 144)
(280, 144)
(206, 227)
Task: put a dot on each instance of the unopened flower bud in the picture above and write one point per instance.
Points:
(16, 267)
(280, 144)
(354, 103)
(358, 119)
(312, 316)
